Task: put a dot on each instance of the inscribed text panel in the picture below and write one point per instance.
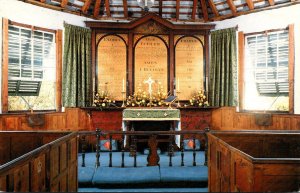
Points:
(189, 66)
(111, 59)
(151, 60)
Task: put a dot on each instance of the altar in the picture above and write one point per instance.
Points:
(152, 119)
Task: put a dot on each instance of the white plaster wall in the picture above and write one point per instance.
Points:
(26, 13)
(272, 19)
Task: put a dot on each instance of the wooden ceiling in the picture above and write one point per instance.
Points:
(173, 10)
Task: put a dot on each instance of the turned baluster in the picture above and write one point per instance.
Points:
(98, 147)
(206, 144)
(83, 147)
(123, 150)
(110, 150)
(194, 151)
(182, 149)
(134, 149)
(171, 150)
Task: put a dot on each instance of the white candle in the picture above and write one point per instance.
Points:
(123, 85)
(146, 3)
(177, 84)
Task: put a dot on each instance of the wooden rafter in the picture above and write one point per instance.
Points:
(204, 10)
(43, 1)
(213, 8)
(97, 8)
(160, 8)
(86, 6)
(64, 3)
(194, 9)
(107, 7)
(231, 6)
(125, 8)
(250, 4)
(177, 9)
(271, 2)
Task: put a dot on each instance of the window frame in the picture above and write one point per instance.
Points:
(291, 61)
(58, 40)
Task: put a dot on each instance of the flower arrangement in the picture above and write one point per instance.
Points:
(142, 99)
(198, 99)
(102, 99)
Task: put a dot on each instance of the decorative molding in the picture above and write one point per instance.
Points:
(99, 36)
(125, 37)
(151, 27)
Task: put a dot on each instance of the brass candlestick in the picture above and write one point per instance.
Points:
(123, 98)
(178, 103)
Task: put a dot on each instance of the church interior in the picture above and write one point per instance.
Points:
(150, 96)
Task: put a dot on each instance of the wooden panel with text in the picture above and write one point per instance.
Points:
(189, 58)
(111, 64)
(150, 60)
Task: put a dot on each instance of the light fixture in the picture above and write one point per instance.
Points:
(145, 4)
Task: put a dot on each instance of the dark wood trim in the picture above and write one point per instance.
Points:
(125, 7)
(107, 8)
(213, 8)
(86, 6)
(5, 23)
(231, 6)
(172, 62)
(97, 8)
(130, 52)
(204, 10)
(160, 8)
(250, 4)
(241, 51)
(271, 2)
(58, 70)
(31, 27)
(64, 3)
(291, 67)
(194, 9)
(177, 9)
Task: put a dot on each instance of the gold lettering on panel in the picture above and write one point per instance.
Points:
(111, 57)
(189, 66)
(151, 60)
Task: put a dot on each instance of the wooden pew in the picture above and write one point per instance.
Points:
(254, 161)
(38, 161)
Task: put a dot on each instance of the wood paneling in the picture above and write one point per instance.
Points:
(73, 119)
(4, 88)
(274, 167)
(49, 167)
(226, 118)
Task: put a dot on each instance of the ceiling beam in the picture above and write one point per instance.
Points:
(160, 8)
(86, 6)
(250, 4)
(107, 8)
(194, 9)
(43, 1)
(213, 8)
(64, 3)
(177, 9)
(231, 6)
(271, 2)
(97, 8)
(204, 10)
(125, 7)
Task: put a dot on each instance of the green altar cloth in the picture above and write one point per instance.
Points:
(150, 114)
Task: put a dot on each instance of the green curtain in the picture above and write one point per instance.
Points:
(223, 68)
(76, 67)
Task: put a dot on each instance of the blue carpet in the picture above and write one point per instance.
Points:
(143, 190)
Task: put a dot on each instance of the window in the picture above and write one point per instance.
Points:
(31, 68)
(266, 71)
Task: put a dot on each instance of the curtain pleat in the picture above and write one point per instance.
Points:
(76, 67)
(223, 68)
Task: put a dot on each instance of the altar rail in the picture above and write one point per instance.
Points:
(131, 146)
(45, 162)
